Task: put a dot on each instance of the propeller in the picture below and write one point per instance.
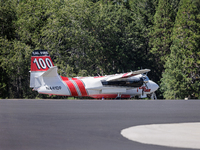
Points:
(145, 80)
(145, 77)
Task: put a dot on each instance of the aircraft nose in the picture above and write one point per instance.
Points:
(153, 86)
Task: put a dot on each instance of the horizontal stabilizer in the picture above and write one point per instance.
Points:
(52, 72)
(127, 75)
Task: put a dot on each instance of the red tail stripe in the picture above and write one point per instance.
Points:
(64, 78)
(81, 87)
(71, 87)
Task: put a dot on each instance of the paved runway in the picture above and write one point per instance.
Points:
(86, 124)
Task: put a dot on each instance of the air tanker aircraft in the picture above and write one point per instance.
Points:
(45, 79)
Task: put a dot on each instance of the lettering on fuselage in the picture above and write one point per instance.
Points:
(53, 87)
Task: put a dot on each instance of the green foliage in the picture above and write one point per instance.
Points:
(4, 80)
(32, 16)
(113, 32)
(181, 77)
(103, 31)
(160, 34)
(161, 31)
(7, 16)
(7, 32)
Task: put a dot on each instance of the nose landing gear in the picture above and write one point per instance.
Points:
(118, 96)
(153, 96)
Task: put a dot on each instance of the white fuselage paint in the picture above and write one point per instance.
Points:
(93, 86)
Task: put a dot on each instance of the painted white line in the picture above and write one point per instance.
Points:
(181, 135)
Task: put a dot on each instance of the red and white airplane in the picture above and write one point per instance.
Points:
(45, 79)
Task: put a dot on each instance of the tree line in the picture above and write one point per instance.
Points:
(99, 37)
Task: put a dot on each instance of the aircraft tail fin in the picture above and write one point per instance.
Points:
(40, 63)
(48, 77)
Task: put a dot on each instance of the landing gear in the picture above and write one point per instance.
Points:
(153, 96)
(118, 96)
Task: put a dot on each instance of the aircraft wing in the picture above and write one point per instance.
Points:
(127, 75)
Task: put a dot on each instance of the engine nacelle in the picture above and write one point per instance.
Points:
(127, 83)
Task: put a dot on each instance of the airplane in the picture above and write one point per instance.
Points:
(45, 80)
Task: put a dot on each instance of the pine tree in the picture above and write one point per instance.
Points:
(97, 37)
(181, 77)
(143, 15)
(7, 34)
(160, 36)
(32, 16)
(20, 27)
(115, 36)
(161, 33)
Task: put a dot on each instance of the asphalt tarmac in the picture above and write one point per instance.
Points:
(86, 124)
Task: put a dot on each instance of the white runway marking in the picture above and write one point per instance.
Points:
(182, 135)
